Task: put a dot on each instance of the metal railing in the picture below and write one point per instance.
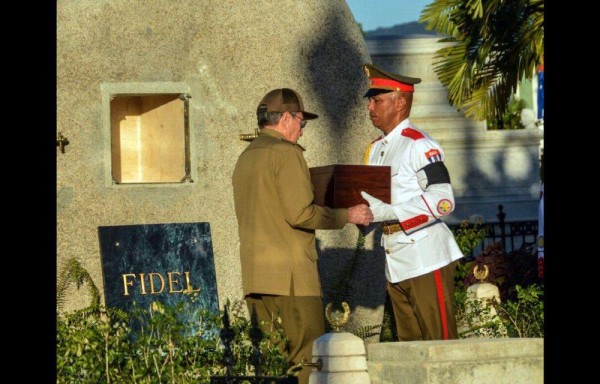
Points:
(512, 234)
(256, 335)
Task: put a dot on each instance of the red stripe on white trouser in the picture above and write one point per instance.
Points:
(440, 295)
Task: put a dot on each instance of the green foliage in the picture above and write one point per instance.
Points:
(92, 347)
(154, 345)
(159, 344)
(273, 362)
(72, 272)
(520, 312)
(493, 45)
(524, 317)
(463, 270)
(388, 328)
(359, 249)
(520, 317)
(367, 331)
(507, 269)
(468, 236)
(511, 118)
(475, 317)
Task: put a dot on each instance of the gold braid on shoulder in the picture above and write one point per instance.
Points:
(367, 153)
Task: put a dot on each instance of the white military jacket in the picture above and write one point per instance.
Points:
(425, 243)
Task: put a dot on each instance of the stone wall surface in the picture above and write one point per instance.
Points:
(226, 55)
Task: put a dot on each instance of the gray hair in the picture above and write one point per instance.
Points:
(266, 118)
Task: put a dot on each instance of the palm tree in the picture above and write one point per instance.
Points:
(496, 43)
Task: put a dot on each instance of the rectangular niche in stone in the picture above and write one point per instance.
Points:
(149, 138)
(167, 263)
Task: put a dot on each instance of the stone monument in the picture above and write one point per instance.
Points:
(339, 357)
(152, 97)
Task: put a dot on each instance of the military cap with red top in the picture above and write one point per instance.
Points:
(381, 81)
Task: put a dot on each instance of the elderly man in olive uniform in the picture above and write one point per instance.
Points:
(420, 249)
(273, 197)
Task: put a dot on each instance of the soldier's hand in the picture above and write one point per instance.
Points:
(360, 214)
(381, 211)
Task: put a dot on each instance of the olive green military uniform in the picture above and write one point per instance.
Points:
(273, 197)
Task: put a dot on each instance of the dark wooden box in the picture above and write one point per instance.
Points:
(339, 186)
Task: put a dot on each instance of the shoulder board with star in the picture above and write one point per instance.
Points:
(412, 133)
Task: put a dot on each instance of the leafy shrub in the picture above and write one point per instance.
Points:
(476, 317)
(519, 317)
(506, 269)
(469, 235)
(155, 344)
(511, 119)
(101, 346)
(520, 312)
(524, 317)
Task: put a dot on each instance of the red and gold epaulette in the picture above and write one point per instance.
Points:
(412, 133)
(414, 222)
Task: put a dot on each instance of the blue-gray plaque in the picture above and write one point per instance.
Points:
(167, 263)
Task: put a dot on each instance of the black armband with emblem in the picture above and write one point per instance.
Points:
(436, 173)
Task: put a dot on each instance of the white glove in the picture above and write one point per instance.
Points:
(381, 211)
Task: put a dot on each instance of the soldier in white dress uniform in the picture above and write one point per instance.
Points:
(421, 251)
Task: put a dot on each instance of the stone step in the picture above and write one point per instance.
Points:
(463, 361)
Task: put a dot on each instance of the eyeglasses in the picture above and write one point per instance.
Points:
(302, 121)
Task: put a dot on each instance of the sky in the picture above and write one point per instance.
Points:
(373, 14)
